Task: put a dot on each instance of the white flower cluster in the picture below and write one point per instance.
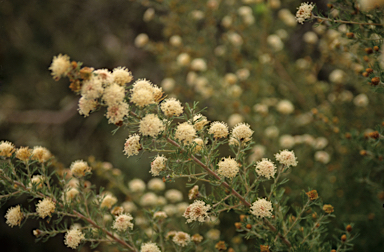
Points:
(304, 12)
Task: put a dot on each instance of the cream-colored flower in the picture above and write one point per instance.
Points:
(266, 168)
(71, 194)
(322, 157)
(148, 199)
(129, 206)
(242, 132)
(79, 168)
(92, 89)
(45, 207)
(86, 106)
(199, 121)
(197, 211)
(37, 180)
(121, 76)
(6, 149)
(156, 184)
(73, 238)
(160, 215)
(23, 153)
(185, 133)
(285, 107)
(123, 222)
(181, 238)
(136, 185)
(171, 107)
(41, 154)
(142, 97)
(286, 157)
(149, 247)
(113, 94)
(304, 12)
(151, 125)
(141, 40)
(132, 145)
(60, 66)
(218, 129)
(158, 164)
(117, 112)
(108, 201)
(14, 216)
(261, 208)
(174, 195)
(228, 167)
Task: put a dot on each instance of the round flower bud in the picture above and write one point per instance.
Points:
(160, 215)
(261, 208)
(141, 40)
(183, 59)
(322, 157)
(174, 195)
(285, 107)
(175, 40)
(156, 184)
(242, 132)
(199, 121)
(287, 141)
(228, 167)
(198, 65)
(136, 185)
(148, 199)
(108, 201)
(113, 94)
(361, 100)
(168, 84)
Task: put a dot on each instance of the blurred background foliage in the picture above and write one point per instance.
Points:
(254, 61)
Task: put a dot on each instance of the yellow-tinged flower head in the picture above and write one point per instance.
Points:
(14, 216)
(6, 148)
(73, 238)
(45, 207)
(60, 66)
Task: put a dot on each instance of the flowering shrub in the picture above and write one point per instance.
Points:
(311, 110)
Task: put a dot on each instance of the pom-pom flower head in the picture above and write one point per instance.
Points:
(86, 106)
(23, 153)
(304, 12)
(60, 66)
(40, 154)
(151, 125)
(113, 94)
(45, 207)
(79, 168)
(116, 112)
(199, 121)
(158, 165)
(6, 149)
(185, 133)
(266, 168)
(197, 211)
(14, 216)
(242, 132)
(218, 130)
(73, 238)
(171, 107)
(121, 76)
(132, 145)
(261, 208)
(108, 201)
(228, 167)
(182, 239)
(123, 222)
(149, 247)
(286, 157)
